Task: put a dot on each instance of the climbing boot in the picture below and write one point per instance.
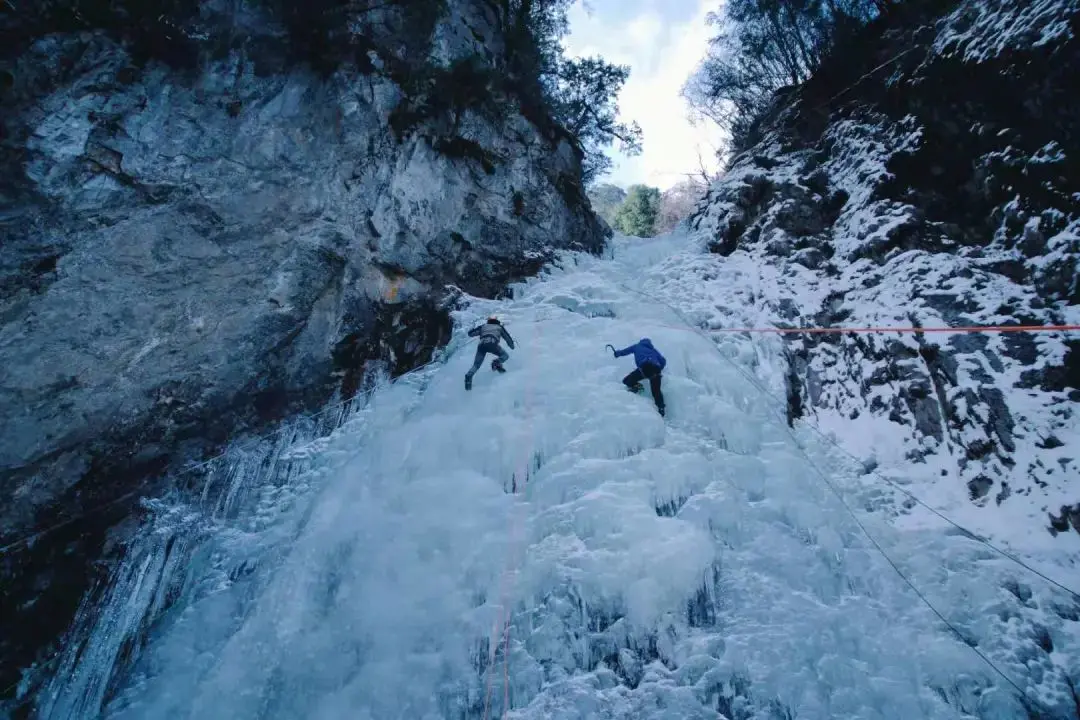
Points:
(496, 365)
(468, 383)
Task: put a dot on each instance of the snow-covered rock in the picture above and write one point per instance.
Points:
(188, 254)
(928, 179)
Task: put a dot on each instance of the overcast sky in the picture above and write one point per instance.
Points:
(662, 41)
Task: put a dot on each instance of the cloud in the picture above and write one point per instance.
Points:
(662, 42)
(646, 31)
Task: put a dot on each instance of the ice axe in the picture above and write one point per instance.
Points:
(612, 349)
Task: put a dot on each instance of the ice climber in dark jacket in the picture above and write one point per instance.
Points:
(489, 333)
(650, 364)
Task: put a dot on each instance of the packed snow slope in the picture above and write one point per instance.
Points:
(926, 176)
(547, 546)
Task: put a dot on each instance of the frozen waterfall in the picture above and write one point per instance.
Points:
(547, 546)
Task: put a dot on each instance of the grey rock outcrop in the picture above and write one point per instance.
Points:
(189, 254)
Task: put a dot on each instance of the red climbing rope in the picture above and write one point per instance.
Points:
(516, 544)
(961, 329)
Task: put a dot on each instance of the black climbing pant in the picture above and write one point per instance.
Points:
(501, 356)
(650, 371)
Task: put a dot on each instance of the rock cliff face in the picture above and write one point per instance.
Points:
(929, 177)
(190, 253)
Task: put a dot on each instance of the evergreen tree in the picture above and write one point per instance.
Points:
(637, 216)
(585, 96)
(580, 93)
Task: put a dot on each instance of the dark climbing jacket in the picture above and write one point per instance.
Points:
(644, 353)
(490, 333)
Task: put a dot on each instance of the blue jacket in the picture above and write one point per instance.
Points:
(644, 352)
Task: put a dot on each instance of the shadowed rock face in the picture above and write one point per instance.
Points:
(189, 254)
(929, 176)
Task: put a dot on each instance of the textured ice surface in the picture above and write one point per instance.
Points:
(547, 546)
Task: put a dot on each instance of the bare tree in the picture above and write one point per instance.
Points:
(762, 46)
(677, 202)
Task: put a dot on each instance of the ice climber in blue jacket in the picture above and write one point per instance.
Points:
(650, 364)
